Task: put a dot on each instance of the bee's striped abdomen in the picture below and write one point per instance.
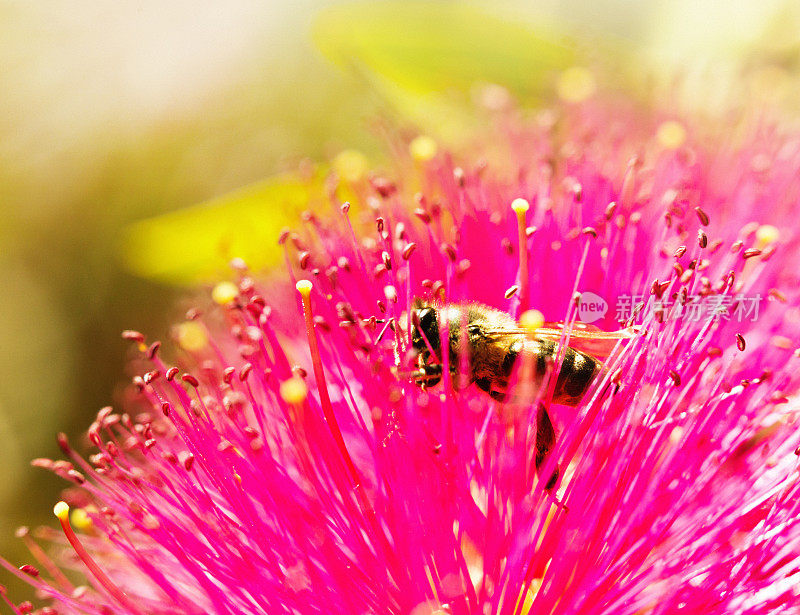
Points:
(577, 372)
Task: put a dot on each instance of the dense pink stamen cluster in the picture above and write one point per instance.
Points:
(279, 469)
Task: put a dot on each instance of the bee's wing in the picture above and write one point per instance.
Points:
(588, 338)
(583, 337)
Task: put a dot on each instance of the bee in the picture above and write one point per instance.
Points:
(494, 344)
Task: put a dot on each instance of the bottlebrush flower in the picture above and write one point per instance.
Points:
(289, 463)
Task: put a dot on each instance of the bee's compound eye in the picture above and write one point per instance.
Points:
(474, 330)
(427, 316)
(429, 327)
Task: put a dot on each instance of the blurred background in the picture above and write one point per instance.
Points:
(116, 113)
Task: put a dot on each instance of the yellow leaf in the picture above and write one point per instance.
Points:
(196, 244)
(435, 47)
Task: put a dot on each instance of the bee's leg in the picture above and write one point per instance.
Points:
(498, 395)
(545, 440)
(485, 384)
(432, 374)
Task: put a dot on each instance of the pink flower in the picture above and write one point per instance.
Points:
(289, 463)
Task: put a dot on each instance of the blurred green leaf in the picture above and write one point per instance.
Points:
(196, 244)
(431, 47)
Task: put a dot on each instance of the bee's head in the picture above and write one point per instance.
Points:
(426, 323)
(424, 338)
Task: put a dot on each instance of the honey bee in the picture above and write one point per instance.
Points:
(494, 343)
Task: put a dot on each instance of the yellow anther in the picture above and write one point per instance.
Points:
(423, 148)
(351, 165)
(527, 601)
(294, 391)
(191, 336)
(576, 84)
(80, 519)
(767, 234)
(224, 293)
(671, 134)
(676, 435)
(520, 206)
(531, 320)
(61, 510)
(304, 287)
